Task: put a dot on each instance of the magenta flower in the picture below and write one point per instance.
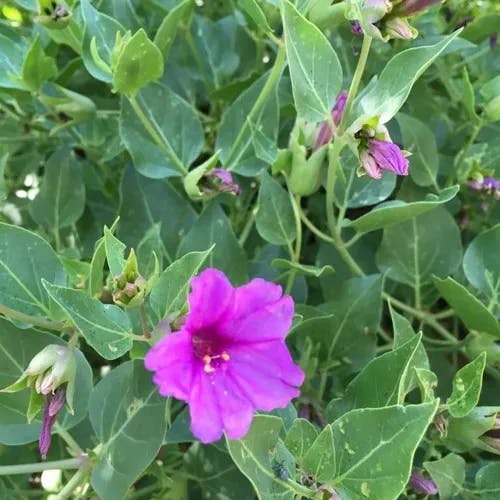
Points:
(383, 155)
(421, 484)
(325, 132)
(229, 358)
(53, 404)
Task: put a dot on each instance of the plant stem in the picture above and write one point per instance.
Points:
(73, 483)
(333, 161)
(32, 320)
(295, 201)
(320, 234)
(156, 136)
(68, 438)
(247, 229)
(70, 463)
(271, 82)
(356, 80)
(144, 321)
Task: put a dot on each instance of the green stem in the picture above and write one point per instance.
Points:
(73, 483)
(155, 135)
(70, 463)
(271, 82)
(32, 320)
(320, 234)
(333, 161)
(295, 201)
(245, 233)
(144, 321)
(356, 79)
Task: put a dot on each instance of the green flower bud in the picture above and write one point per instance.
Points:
(53, 15)
(129, 288)
(492, 109)
(305, 176)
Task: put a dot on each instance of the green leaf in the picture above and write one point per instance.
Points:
(397, 211)
(300, 438)
(482, 262)
(99, 39)
(471, 310)
(115, 252)
(165, 35)
(488, 482)
(128, 416)
(213, 227)
(252, 8)
(12, 56)
(413, 251)
(381, 383)
(181, 138)
(61, 200)
(448, 474)
(315, 69)
(146, 202)
(37, 67)
(275, 220)
(251, 455)
(20, 284)
(170, 293)
(369, 452)
(304, 269)
(419, 139)
(106, 328)
(17, 348)
(140, 62)
(427, 382)
(243, 157)
(388, 94)
(467, 384)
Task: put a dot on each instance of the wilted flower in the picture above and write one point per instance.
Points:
(325, 132)
(229, 358)
(53, 404)
(421, 484)
(383, 155)
(220, 180)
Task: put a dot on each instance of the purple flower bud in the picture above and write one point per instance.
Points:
(398, 27)
(53, 404)
(383, 155)
(356, 28)
(411, 7)
(221, 181)
(487, 184)
(325, 131)
(422, 485)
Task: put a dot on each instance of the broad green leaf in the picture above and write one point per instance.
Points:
(488, 482)
(26, 259)
(419, 139)
(149, 250)
(252, 8)
(415, 250)
(380, 383)
(37, 67)
(128, 416)
(482, 262)
(170, 293)
(115, 252)
(482, 27)
(397, 211)
(12, 55)
(165, 35)
(275, 220)
(106, 328)
(213, 227)
(146, 202)
(471, 310)
(467, 384)
(140, 62)
(300, 438)
(448, 473)
(304, 269)
(181, 139)
(251, 455)
(315, 69)
(99, 39)
(236, 132)
(369, 452)
(392, 88)
(123, 11)
(17, 348)
(61, 200)
(352, 191)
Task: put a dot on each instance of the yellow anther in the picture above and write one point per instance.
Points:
(207, 359)
(225, 356)
(208, 368)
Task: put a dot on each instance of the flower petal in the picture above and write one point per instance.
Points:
(389, 156)
(206, 419)
(211, 294)
(266, 374)
(173, 360)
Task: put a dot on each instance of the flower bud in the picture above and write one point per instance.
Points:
(412, 7)
(398, 27)
(305, 175)
(53, 404)
(492, 109)
(53, 15)
(129, 288)
(420, 484)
